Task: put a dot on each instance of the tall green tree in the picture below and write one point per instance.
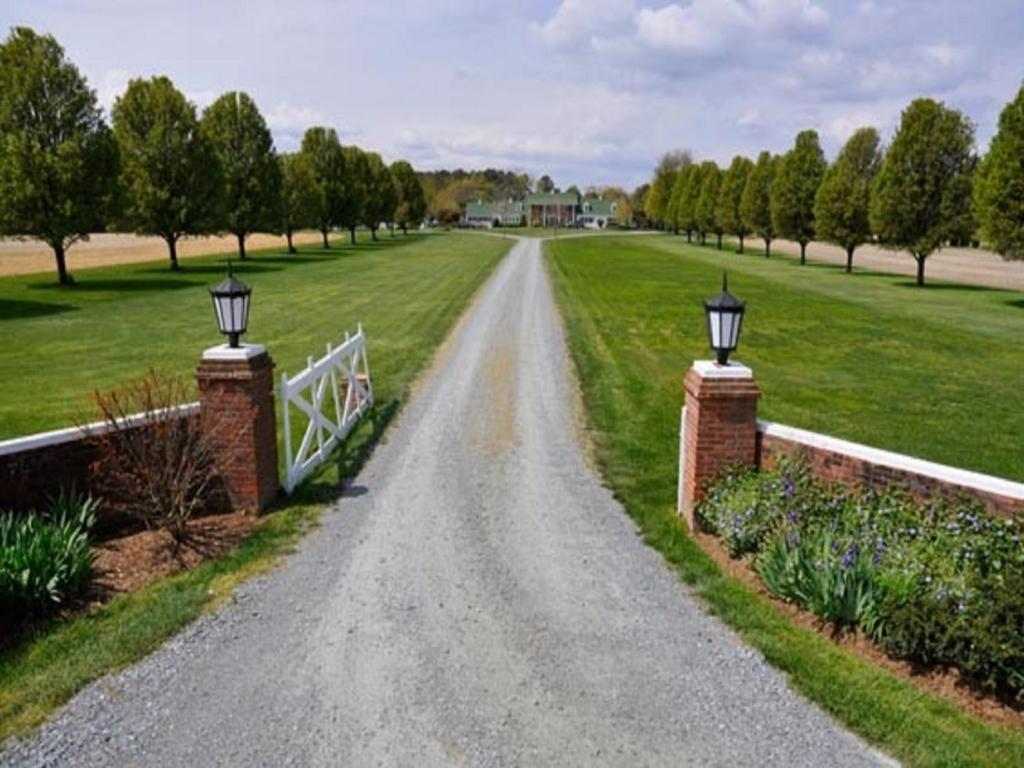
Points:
(411, 206)
(673, 219)
(999, 187)
(324, 151)
(170, 173)
(727, 212)
(796, 185)
(545, 184)
(843, 202)
(689, 195)
(657, 199)
(707, 203)
(58, 159)
(251, 190)
(922, 194)
(755, 204)
(301, 197)
(356, 190)
(381, 197)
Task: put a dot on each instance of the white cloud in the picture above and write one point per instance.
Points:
(114, 83)
(575, 21)
(288, 118)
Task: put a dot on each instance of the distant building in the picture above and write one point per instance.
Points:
(559, 209)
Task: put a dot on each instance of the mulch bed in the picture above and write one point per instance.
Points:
(947, 683)
(130, 562)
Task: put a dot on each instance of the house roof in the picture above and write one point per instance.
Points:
(599, 207)
(562, 198)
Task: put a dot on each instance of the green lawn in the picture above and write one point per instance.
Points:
(408, 294)
(61, 344)
(866, 357)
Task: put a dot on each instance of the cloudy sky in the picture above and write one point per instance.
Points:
(590, 91)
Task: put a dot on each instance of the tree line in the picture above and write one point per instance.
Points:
(927, 189)
(163, 169)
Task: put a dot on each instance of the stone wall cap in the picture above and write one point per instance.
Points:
(709, 369)
(230, 354)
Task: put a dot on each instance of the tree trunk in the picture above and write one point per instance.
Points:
(718, 245)
(689, 236)
(767, 247)
(62, 268)
(405, 230)
(803, 252)
(172, 246)
(741, 243)
(920, 269)
(241, 245)
(352, 235)
(324, 233)
(373, 233)
(288, 235)
(849, 259)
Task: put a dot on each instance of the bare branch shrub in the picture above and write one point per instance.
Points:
(154, 464)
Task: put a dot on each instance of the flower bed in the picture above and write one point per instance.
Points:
(936, 585)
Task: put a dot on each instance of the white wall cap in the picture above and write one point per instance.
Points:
(226, 352)
(953, 475)
(70, 434)
(709, 369)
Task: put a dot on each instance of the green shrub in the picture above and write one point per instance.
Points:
(938, 585)
(45, 559)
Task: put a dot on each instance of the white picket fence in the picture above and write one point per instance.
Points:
(341, 379)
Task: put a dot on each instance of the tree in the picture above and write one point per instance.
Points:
(707, 203)
(999, 188)
(300, 194)
(843, 201)
(689, 196)
(796, 185)
(923, 189)
(727, 211)
(755, 204)
(673, 220)
(323, 149)
(381, 198)
(411, 206)
(170, 173)
(356, 189)
(58, 159)
(251, 175)
(545, 184)
(636, 201)
(661, 186)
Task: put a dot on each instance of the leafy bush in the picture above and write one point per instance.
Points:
(45, 559)
(940, 584)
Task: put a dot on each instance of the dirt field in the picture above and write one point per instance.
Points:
(959, 265)
(29, 256)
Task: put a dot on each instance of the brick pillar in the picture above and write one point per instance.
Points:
(720, 427)
(236, 404)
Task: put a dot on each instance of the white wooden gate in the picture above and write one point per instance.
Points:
(333, 392)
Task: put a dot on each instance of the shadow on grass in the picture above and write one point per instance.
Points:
(1019, 303)
(950, 287)
(117, 285)
(14, 309)
(249, 266)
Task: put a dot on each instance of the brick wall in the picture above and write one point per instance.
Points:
(852, 464)
(38, 466)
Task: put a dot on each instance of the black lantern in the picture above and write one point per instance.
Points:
(231, 303)
(725, 316)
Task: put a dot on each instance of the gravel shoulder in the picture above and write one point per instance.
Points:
(476, 598)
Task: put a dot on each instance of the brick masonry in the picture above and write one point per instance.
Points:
(720, 431)
(237, 408)
(843, 467)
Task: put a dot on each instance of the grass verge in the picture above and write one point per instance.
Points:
(632, 333)
(412, 315)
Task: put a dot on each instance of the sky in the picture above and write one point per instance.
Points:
(591, 92)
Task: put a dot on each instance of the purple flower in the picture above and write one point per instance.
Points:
(787, 487)
(792, 516)
(851, 555)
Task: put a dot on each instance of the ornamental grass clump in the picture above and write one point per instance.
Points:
(46, 558)
(939, 584)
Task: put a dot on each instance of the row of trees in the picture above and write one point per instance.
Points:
(926, 190)
(162, 169)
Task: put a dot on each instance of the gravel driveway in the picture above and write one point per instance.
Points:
(477, 598)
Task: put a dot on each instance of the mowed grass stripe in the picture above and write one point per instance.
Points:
(634, 321)
(410, 293)
(61, 344)
(933, 373)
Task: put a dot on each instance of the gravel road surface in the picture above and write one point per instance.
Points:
(477, 598)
